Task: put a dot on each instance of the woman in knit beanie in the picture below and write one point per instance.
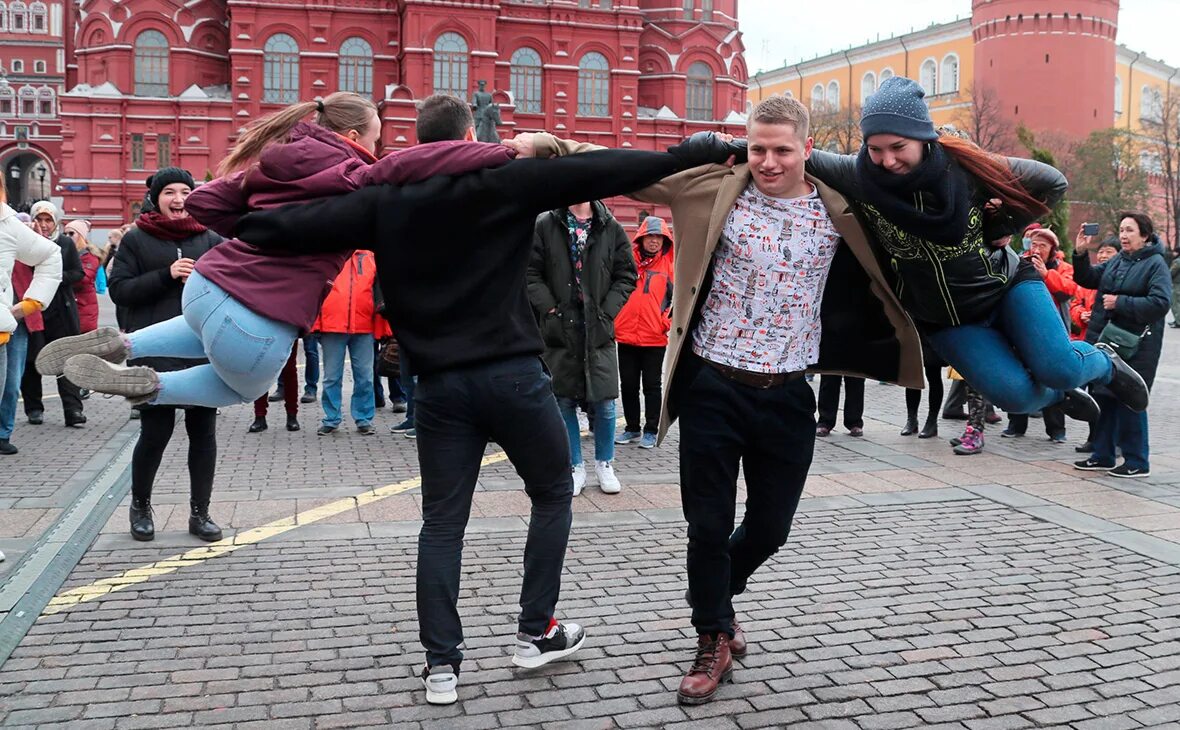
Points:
(933, 204)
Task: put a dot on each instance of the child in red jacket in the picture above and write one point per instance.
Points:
(641, 329)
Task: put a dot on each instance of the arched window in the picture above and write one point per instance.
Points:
(700, 92)
(525, 80)
(280, 70)
(38, 18)
(833, 97)
(817, 98)
(868, 86)
(28, 102)
(3, 16)
(7, 100)
(18, 17)
(450, 65)
(39, 67)
(886, 74)
(151, 64)
(1151, 104)
(593, 85)
(45, 100)
(356, 66)
(928, 76)
(1118, 95)
(948, 79)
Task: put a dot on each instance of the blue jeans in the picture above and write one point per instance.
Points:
(360, 353)
(246, 351)
(311, 354)
(1119, 426)
(603, 413)
(1021, 359)
(10, 376)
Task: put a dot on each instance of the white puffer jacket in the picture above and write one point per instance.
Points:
(19, 243)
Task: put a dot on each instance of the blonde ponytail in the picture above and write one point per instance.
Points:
(338, 112)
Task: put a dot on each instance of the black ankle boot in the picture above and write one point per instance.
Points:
(930, 430)
(258, 425)
(911, 425)
(1126, 384)
(142, 527)
(202, 525)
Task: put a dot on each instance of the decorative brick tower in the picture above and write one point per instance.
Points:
(1050, 70)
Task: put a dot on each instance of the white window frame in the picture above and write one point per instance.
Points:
(832, 96)
(950, 86)
(868, 86)
(932, 88)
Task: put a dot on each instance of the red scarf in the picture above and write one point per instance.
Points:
(160, 226)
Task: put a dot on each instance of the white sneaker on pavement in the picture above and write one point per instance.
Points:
(441, 683)
(579, 471)
(606, 477)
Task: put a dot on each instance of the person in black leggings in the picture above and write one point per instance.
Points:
(913, 397)
(157, 424)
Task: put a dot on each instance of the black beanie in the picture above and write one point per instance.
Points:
(164, 177)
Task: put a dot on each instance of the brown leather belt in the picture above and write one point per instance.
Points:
(752, 379)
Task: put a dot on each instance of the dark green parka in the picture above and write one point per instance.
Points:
(582, 358)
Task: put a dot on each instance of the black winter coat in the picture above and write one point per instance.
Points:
(142, 285)
(1144, 287)
(583, 360)
(61, 316)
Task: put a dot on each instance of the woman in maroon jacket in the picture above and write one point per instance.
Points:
(243, 307)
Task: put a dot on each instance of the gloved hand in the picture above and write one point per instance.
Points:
(25, 307)
(705, 148)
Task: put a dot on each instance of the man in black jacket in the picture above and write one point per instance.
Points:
(61, 320)
(465, 321)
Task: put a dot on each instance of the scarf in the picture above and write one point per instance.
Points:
(160, 226)
(945, 196)
(579, 233)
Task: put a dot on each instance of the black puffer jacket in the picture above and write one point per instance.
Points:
(947, 285)
(1144, 288)
(582, 357)
(142, 285)
(61, 316)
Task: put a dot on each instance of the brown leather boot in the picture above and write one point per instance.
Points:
(737, 645)
(712, 666)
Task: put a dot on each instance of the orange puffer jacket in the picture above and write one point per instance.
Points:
(645, 318)
(349, 307)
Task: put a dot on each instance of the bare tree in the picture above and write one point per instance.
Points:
(836, 131)
(1106, 177)
(1163, 149)
(984, 120)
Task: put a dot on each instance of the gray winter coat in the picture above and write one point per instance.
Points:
(580, 340)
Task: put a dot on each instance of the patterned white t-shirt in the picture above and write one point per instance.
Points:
(769, 272)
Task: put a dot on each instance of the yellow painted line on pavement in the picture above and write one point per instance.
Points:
(173, 563)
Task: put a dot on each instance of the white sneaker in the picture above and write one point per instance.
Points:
(440, 682)
(606, 477)
(559, 641)
(579, 471)
(2, 558)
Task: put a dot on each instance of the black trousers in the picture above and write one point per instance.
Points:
(770, 435)
(829, 401)
(640, 365)
(1053, 417)
(458, 411)
(30, 383)
(156, 424)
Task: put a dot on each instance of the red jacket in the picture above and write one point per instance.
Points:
(349, 307)
(85, 294)
(22, 276)
(645, 319)
(1083, 301)
(1060, 281)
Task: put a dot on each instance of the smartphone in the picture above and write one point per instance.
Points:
(1090, 229)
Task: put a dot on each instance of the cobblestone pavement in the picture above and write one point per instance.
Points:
(918, 589)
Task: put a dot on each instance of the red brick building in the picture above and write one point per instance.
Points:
(32, 77)
(155, 83)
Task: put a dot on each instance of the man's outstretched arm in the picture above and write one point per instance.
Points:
(339, 223)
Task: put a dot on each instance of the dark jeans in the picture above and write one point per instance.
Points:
(1022, 359)
(829, 401)
(1120, 427)
(770, 434)
(311, 356)
(30, 384)
(155, 431)
(640, 365)
(1053, 416)
(510, 401)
